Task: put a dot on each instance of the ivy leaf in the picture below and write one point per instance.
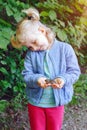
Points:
(62, 35)
(3, 105)
(5, 23)
(61, 23)
(17, 16)
(3, 62)
(13, 67)
(52, 15)
(5, 37)
(68, 9)
(15, 88)
(83, 20)
(44, 13)
(55, 28)
(78, 7)
(3, 70)
(6, 84)
(1, 1)
(84, 2)
(5, 33)
(9, 11)
(3, 43)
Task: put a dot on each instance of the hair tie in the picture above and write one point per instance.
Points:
(30, 17)
(32, 14)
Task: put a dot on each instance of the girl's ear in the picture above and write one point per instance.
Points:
(42, 29)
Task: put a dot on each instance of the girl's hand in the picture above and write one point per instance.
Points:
(59, 82)
(42, 82)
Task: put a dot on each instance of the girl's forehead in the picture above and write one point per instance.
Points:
(34, 34)
(32, 37)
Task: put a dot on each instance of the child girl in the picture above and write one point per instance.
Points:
(50, 70)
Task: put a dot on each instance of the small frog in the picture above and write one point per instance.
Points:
(48, 81)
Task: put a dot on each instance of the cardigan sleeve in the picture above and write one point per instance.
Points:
(28, 74)
(72, 68)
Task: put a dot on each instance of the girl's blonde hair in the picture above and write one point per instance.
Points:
(29, 25)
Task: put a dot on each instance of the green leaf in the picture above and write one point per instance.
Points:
(22, 5)
(78, 7)
(3, 62)
(55, 28)
(5, 37)
(61, 23)
(4, 71)
(68, 9)
(3, 43)
(15, 89)
(13, 66)
(83, 20)
(5, 33)
(5, 84)
(3, 105)
(62, 35)
(84, 2)
(44, 14)
(72, 30)
(1, 1)
(13, 70)
(9, 11)
(52, 15)
(4, 23)
(17, 16)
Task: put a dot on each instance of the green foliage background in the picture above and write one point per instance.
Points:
(68, 19)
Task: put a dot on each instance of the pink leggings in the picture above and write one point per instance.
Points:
(45, 118)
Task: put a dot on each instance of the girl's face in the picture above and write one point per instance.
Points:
(36, 41)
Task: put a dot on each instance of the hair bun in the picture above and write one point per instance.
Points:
(32, 14)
